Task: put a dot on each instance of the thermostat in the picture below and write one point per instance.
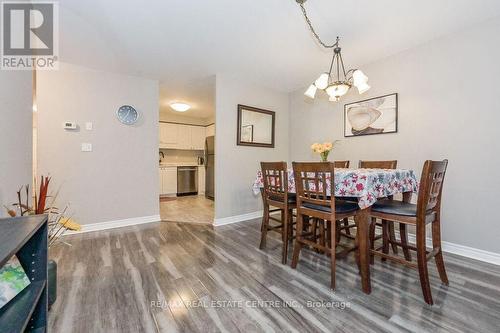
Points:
(69, 125)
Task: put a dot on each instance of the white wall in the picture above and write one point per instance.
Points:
(16, 130)
(449, 107)
(119, 178)
(236, 166)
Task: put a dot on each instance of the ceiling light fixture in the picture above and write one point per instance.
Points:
(180, 107)
(337, 81)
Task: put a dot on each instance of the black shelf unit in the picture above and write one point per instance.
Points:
(26, 237)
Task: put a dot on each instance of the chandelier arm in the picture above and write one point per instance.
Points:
(331, 65)
(351, 71)
(315, 34)
(339, 57)
(343, 69)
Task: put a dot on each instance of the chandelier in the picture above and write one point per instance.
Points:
(337, 81)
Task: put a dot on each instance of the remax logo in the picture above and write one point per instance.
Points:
(29, 35)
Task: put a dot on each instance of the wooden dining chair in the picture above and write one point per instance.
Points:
(312, 183)
(346, 228)
(427, 210)
(390, 164)
(341, 164)
(275, 194)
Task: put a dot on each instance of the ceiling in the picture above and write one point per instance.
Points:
(199, 94)
(184, 43)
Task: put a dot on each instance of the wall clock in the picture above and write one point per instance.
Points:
(127, 114)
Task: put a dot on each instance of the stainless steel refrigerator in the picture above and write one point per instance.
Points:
(210, 167)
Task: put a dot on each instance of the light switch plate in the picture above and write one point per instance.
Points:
(89, 126)
(87, 147)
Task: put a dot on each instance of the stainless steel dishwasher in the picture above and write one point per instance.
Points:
(187, 180)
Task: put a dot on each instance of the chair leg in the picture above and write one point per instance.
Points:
(314, 231)
(282, 216)
(329, 234)
(385, 238)
(297, 245)
(436, 243)
(332, 255)
(337, 233)
(373, 226)
(284, 233)
(403, 233)
(265, 225)
(392, 237)
(422, 265)
(346, 223)
(322, 233)
(290, 224)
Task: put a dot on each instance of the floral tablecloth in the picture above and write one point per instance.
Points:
(366, 184)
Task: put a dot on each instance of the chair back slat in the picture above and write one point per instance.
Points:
(341, 164)
(431, 186)
(311, 183)
(275, 177)
(378, 164)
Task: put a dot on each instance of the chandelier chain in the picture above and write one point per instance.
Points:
(315, 34)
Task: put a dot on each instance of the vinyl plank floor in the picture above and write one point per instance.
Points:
(190, 209)
(181, 277)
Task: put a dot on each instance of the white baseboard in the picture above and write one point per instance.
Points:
(115, 224)
(237, 218)
(461, 250)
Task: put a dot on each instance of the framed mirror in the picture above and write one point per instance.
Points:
(255, 127)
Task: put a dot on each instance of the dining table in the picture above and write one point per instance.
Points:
(368, 186)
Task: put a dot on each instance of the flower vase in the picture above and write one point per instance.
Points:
(324, 156)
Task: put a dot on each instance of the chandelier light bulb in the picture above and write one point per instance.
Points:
(311, 91)
(322, 81)
(359, 77)
(362, 88)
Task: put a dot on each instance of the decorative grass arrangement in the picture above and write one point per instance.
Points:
(58, 221)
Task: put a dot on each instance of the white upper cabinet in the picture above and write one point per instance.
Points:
(178, 136)
(184, 137)
(168, 135)
(198, 137)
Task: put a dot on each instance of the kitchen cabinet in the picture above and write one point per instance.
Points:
(201, 179)
(184, 137)
(169, 135)
(210, 130)
(179, 136)
(168, 180)
(198, 137)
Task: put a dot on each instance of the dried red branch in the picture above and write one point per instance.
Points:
(42, 196)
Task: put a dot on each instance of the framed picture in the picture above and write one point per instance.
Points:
(255, 127)
(377, 115)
